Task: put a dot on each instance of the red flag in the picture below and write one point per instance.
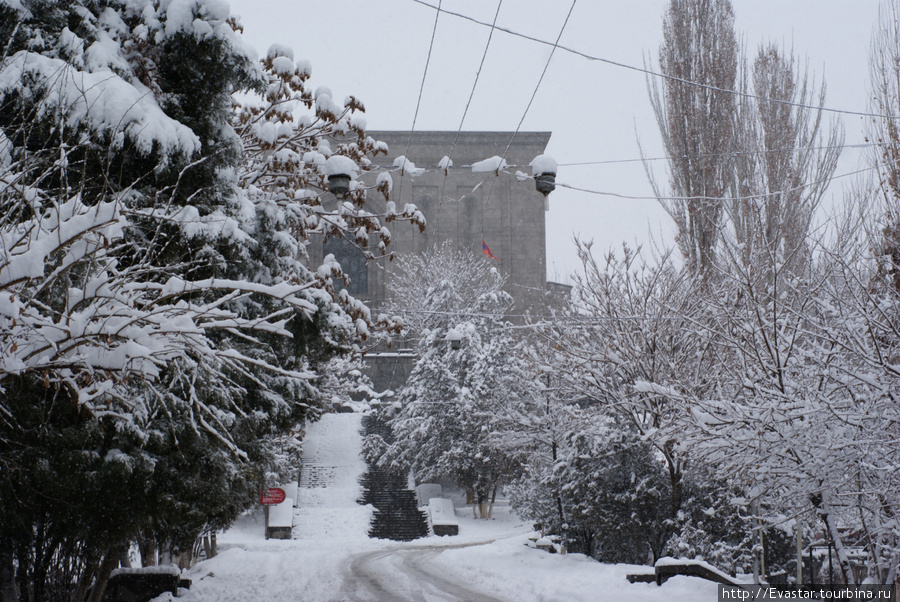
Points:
(486, 250)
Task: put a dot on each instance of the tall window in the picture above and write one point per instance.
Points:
(353, 262)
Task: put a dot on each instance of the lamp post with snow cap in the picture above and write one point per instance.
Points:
(454, 337)
(544, 168)
(340, 170)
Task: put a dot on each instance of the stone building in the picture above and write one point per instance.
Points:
(462, 206)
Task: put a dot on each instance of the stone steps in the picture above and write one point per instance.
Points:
(397, 515)
(318, 475)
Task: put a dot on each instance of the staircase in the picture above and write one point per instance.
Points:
(396, 515)
(329, 488)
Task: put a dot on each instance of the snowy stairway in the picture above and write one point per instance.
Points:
(329, 481)
(396, 515)
(318, 475)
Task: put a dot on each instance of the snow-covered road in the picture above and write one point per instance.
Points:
(331, 558)
(408, 574)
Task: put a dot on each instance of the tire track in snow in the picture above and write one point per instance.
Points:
(401, 574)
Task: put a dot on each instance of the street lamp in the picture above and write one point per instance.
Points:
(339, 185)
(544, 168)
(340, 170)
(455, 338)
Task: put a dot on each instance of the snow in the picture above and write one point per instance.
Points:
(330, 550)
(304, 68)
(154, 570)
(280, 50)
(338, 164)
(494, 164)
(102, 99)
(543, 164)
(282, 515)
(282, 65)
(384, 180)
(14, 4)
(669, 561)
(442, 512)
(180, 16)
(324, 104)
(407, 167)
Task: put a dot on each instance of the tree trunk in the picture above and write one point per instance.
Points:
(675, 481)
(8, 590)
(843, 559)
(110, 561)
(493, 499)
(482, 504)
(892, 576)
(84, 583)
(185, 559)
(147, 547)
(799, 529)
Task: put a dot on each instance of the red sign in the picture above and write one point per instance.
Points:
(272, 495)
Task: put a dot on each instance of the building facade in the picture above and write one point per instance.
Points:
(462, 207)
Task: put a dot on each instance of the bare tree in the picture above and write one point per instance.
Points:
(695, 112)
(884, 131)
(786, 157)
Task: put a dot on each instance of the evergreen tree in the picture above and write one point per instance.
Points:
(469, 368)
(148, 366)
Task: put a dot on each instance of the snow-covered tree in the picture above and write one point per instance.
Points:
(642, 347)
(537, 426)
(884, 132)
(148, 358)
(469, 368)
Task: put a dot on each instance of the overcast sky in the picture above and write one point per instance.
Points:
(597, 112)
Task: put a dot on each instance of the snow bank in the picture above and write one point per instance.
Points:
(338, 164)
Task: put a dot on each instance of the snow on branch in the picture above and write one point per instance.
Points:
(101, 100)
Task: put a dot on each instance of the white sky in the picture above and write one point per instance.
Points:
(377, 50)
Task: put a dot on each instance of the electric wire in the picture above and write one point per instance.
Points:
(556, 44)
(466, 110)
(748, 197)
(652, 73)
(527, 107)
(759, 152)
(437, 15)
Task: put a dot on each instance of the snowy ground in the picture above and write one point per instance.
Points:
(330, 557)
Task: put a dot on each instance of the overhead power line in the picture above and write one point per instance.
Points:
(772, 151)
(741, 153)
(748, 197)
(462, 120)
(528, 106)
(437, 15)
(424, 74)
(650, 72)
